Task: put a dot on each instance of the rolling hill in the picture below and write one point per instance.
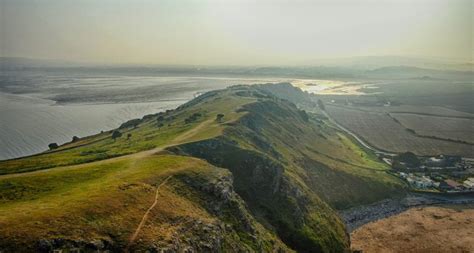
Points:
(234, 170)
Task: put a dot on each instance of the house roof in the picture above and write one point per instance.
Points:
(452, 183)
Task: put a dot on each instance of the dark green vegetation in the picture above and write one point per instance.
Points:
(233, 170)
(409, 158)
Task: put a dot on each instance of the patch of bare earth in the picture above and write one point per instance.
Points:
(422, 229)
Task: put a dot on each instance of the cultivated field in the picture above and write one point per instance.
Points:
(421, 110)
(460, 129)
(427, 229)
(383, 132)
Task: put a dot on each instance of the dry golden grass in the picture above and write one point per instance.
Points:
(420, 230)
(95, 201)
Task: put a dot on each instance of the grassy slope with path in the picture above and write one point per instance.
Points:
(100, 189)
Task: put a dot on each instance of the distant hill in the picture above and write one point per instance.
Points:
(374, 62)
(11, 63)
(416, 72)
(364, 67)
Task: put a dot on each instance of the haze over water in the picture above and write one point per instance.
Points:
(40, 107)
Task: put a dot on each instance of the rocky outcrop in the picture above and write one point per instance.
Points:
(284, 206)
(233, 228)
(68, 245)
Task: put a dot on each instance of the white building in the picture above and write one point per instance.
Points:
(469, 183)
(420, 182)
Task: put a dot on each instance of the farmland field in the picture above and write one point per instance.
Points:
(421, 110)
(383, 132)
(459, 129)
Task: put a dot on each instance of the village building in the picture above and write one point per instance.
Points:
(469, 183)
(422, 182)
(449, 185)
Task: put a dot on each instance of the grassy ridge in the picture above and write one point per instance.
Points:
(67, 201)
(289, 173)
(147, 135)
(107, 201)
(284, 165)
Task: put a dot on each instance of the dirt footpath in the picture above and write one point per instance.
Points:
(421, 229)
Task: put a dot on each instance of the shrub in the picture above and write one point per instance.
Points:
(192, 118)
(75, 138)
(304, 115)
(219, 117)
(131, 123)
(321, 105)
(411, 130)
(53, 146)
(116, 134)
(409, 158)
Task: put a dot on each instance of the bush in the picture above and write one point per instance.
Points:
(192, 118)
(219, 117)
(409, 158)
(304, 115)
(411, 130)
(53, 146)
(75, 138)
(116, 134)
(321, 105)
(131, 123)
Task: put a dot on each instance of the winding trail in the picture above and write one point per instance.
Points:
(180, 139)
(145, 216)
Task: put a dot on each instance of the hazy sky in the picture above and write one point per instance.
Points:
(234, 32)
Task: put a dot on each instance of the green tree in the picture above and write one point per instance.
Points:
(219, 117)
(321, 105)
(409, 158)
(53, 145)
(116, 134)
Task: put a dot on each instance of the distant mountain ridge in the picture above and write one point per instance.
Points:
(11, 63)
(368, 67)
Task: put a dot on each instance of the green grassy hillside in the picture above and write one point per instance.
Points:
(263, 176)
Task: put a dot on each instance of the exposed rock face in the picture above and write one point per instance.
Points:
(283, 205)
(233, 228)
(267, 182)
(197, 236)
(68, 245)
(201, 236)
(221, 199)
